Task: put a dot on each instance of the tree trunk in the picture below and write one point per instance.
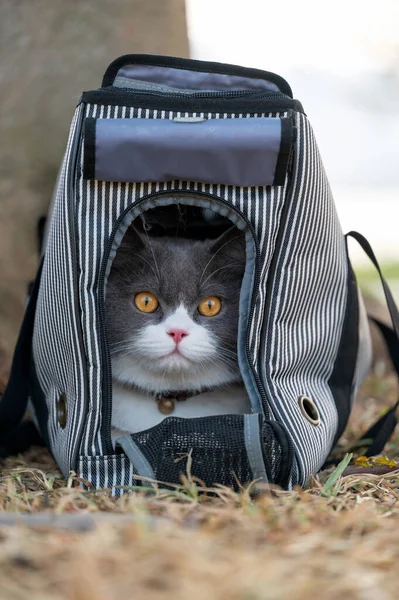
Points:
(49, 53)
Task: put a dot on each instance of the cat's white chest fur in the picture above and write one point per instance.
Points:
(134, 411)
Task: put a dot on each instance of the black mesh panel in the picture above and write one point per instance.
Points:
(216, 445)
(272, 453)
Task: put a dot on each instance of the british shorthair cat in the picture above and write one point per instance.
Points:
(172, 318)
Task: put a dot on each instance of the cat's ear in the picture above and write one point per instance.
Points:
(230, 242)
(134, 238)
(132, 246)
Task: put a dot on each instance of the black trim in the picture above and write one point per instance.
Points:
(286, 150)
(89, 157)
(192, 65)
(342, 376)
(287, 451)
(249, 103)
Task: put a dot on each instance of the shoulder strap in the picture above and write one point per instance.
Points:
(14, 401)
(382, 430)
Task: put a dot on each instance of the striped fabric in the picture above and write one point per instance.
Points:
(293, 353)
(59, 361)
(308, 301)
(107, 472)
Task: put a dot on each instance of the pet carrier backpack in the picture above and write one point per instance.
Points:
(164, 131)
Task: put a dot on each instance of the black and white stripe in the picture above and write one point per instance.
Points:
(306, 299)
(108, 472)
(58, 360)
(307, 309)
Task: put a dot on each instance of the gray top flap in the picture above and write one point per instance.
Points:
(242, 152)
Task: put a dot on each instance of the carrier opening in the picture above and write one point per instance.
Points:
(172, 311)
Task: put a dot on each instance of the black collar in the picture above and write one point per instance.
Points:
(181, 395)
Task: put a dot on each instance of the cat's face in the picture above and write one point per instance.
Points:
(172, 311)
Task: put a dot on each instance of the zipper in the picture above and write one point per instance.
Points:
(106, 358)
(273, 263)
(218, 101)
(269, 287)
(214, 94)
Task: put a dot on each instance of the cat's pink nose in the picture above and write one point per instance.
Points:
(177, 334)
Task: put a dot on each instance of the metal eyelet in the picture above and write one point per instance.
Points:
(62, 410)
(309, 410)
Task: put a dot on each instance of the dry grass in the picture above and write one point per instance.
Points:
(336, 539)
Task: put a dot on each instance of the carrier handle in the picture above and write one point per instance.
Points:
(381, 430)
(15, 434)
(188, 64)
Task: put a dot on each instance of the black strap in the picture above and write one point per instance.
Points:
(382, 430)
(20, 439)
(40, 230)
(390, 340)
(15, 398)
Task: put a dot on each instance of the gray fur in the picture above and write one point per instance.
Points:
(178, 271)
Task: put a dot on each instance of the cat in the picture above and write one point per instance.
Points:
(172, 319)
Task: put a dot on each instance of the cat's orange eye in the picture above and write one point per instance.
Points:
(209, 307)
(146, 302)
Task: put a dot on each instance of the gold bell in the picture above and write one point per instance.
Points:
(165, 405)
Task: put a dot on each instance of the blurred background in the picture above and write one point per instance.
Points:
(50, 51)
(341, 59)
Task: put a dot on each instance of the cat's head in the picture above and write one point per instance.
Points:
(172, 311)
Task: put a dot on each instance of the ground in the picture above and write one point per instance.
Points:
(338, 538)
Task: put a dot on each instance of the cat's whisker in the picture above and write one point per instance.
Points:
(154, 257)
(217, 252)
(227, 351)
(122, 343)
(126, 350)
(147, 262)
(228, 359)
(220, 268)
(163, 378)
